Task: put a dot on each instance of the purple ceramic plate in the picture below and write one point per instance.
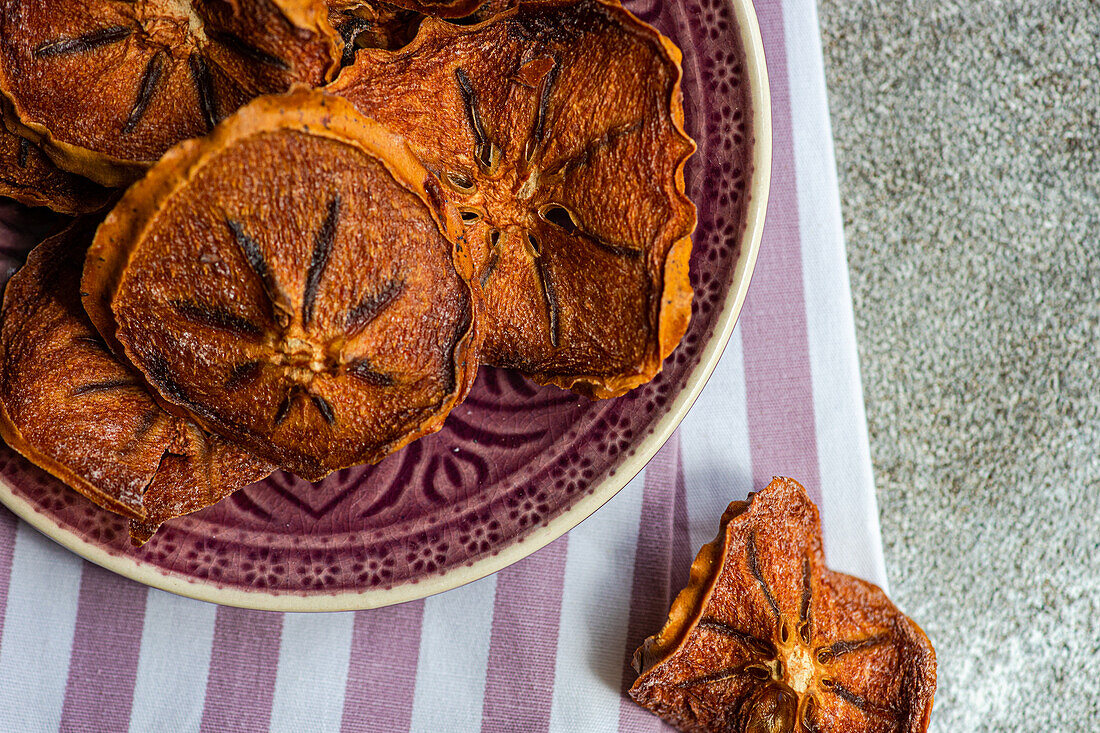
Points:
(517, 465)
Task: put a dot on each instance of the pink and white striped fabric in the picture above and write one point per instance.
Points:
(545, 644)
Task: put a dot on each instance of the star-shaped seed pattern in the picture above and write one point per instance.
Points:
(106, 87)
(516, 196)
(293, 349)
(163, 62)
(767, 639)
(540, 124)
(310, 302)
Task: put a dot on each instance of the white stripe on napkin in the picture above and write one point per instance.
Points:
(454, 652)
(595, 610)
(171, 674)
(714, 446)
(313, 668)
(38, 632)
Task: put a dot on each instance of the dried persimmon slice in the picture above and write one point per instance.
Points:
(290, 282)
(31, 178)
(72, 408)
(197, 471)
(106, 87)
(557, 128)
(766, 638)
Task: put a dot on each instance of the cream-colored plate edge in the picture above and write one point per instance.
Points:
(758, 204)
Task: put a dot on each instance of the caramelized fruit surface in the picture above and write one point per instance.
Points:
(486, 11)
(440, 8)
(106, 87)
(31, 178)
(557, 129)
(371, 24)
(286, 282)
(74, 409)
(765, 638)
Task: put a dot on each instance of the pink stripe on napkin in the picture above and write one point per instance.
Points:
(385, 647)
(8, 524)
(682, 551)
(106, 644)
(778, 382)
(243, 664)
(519, 683)
(649, 597)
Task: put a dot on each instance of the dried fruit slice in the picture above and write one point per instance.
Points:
(766, 638)
(557, 129)
(286, 281)
(390, 26)
(29, 177)
(75, 410)
(198, 471)
(106, 86)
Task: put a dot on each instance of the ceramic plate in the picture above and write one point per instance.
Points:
(517, 465)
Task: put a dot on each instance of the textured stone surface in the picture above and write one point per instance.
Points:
(968, 145)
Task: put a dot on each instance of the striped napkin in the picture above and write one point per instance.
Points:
(544, 644)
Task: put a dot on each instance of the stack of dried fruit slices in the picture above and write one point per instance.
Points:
(333, 214)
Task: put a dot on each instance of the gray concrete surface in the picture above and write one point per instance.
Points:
(968, 146)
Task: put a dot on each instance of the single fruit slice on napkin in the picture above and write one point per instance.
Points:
(106, 87)
(557, 129)
(766, 638)
(291, 281)
(72, 408)
(29, 177)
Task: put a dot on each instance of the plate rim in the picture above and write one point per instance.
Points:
(265, 600)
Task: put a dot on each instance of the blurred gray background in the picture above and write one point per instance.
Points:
(967, 141)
